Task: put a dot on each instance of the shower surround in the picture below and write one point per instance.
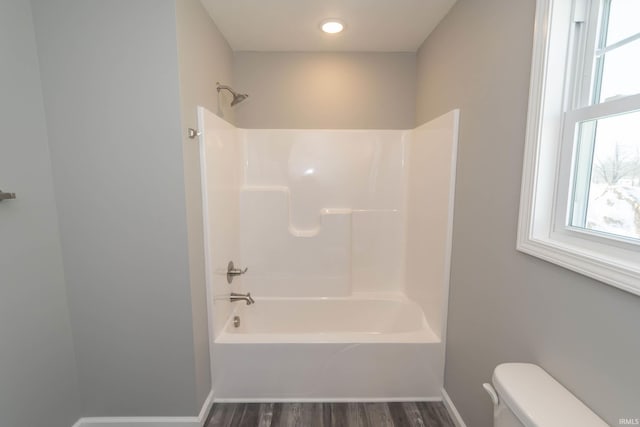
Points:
(346, 235)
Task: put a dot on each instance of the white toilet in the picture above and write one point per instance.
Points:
(525, 395)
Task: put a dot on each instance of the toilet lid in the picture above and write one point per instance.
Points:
(537, 399)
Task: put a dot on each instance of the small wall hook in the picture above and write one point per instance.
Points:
(7, 196)
(194, 133)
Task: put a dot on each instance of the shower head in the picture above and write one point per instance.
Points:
(237, 97)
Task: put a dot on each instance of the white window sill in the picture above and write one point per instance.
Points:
(623, 274)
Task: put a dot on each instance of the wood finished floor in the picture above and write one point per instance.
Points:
(396, 414)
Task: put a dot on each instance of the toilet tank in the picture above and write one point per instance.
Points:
(528, 396)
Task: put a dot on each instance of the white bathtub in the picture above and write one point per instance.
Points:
(322, 320)
(328, 349)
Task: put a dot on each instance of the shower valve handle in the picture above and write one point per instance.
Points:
(232, 271)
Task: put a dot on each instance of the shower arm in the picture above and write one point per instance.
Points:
(220, 87)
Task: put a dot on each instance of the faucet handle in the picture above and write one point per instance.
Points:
(232, 271)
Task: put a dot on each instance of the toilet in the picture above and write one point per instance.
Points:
(524, 394)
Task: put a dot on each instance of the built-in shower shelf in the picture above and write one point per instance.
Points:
(274, 202)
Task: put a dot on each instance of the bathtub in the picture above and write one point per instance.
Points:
(328, 349)
(325, 320)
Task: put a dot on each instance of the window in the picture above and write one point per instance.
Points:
(580, 204)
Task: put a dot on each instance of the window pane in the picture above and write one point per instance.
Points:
(606, 194)
(624, 16)
(621, 71)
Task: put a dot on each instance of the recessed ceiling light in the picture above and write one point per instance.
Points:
(332, 26)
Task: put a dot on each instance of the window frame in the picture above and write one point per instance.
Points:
(549, 147)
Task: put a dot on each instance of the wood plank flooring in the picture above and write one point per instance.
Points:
(392, 414)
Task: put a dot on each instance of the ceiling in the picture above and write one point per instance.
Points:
(294, 25)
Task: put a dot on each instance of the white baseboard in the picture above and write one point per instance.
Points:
(206, 408)
(150, 421)
(138, 422)
(453, 411)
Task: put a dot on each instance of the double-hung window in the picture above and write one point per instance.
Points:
(580, 203)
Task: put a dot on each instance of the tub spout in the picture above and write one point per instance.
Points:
(241, 297)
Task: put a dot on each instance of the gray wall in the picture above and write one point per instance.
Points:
(326, 90)
(38, 382)
(504, 305)
(110, 80)
(204, 58)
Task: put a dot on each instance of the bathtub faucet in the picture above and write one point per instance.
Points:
(241, 297)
